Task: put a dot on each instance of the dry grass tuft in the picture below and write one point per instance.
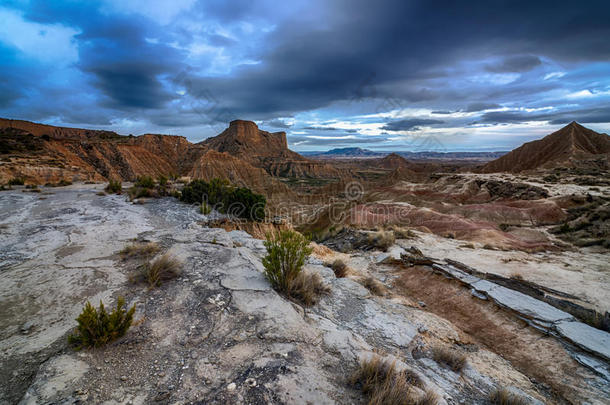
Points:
(307, 287)
(165, 268)
(517, 276)
(503, 396)
(373, 285)
(137, 250)
(381, 240)
(340, 268)
(449, 357)
(403, 233)
(385, 385)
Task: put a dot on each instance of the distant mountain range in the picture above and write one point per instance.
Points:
(346, 153)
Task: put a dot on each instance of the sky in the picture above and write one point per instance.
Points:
(385, 75)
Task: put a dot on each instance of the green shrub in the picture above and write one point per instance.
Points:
(163, 181)
(96, 327)
(139, 192)
(145, 182)
(114, 187)
(205, 208)
(286, 254)
(16, 181)
(237, 201)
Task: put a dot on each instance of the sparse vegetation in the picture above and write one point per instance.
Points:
(339, 268)
(137, 250)
(114, 187)
(205, 209)
(165, 268)
(381, 240)
(380, 380)
(307, 288)
(96, 327)
(16, 181)
(239, 202)
(517, 276)
(61, 183)
(503, 396)
(449, 357)
(373, 285)
(144, 182)
(287, 251)
(403, 233)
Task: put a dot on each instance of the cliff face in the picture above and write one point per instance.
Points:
(222, 165)
(242, 154)
(573, 145)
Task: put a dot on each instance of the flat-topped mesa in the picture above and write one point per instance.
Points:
(244, 138)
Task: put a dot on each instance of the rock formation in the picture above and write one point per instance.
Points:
(267, 150)
(571, 146)
(242, 153)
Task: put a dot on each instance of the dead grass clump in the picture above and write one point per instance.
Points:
(449, 357)
(139, 250)
(517, 276)
(373, 285)
(381, 240)
(503, 396)
(307, 288)
(165, 268)
(379, 379)
(340, 268)
(403, 233)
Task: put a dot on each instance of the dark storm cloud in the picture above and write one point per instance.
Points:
(276, 123)
(521, 63)
(335, 63)
(474, 107)
(262, 60)
(588, 115)
(409, 124)
(114, 49)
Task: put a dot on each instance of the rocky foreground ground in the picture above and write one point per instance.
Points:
(220, 334)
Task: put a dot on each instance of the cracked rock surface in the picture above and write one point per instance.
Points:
(217, 334)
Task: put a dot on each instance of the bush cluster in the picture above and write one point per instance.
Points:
(237, 201)
(287, 251)
(96, 327)
(114, 187)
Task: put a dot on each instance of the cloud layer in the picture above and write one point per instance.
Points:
(471, 75)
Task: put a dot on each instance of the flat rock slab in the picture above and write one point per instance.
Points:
(528, 306)
(589, 338)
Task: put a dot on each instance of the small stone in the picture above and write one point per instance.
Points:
(231, 387)
(27, 327)
(251, 382)
(421, 304)
(123, 378)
